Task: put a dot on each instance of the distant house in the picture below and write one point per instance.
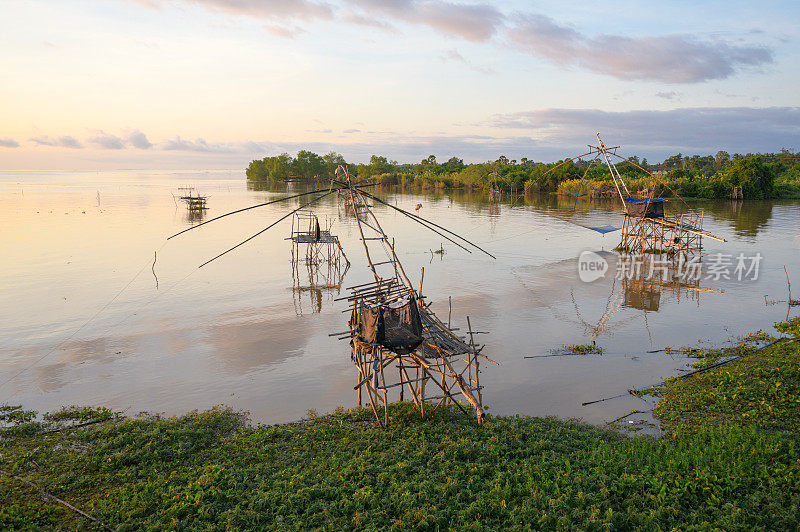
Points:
(659, 170)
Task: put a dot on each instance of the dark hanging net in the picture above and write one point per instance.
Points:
(397, 328)
(647, 208)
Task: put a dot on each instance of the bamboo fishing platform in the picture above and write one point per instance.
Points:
(194, 201)
(645, 226)
(390, 322)
(320, 245)
(392, 325)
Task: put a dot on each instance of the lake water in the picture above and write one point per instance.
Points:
(85, 317)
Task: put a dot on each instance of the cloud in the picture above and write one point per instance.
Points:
(274, 10)
(410, 148)
(44, 141)
(667, 95)
(65, 141)
(473, 22)
(198, 145)
(137, 139)
(349, 131)
(703, 129)
(669, 59)
(453, 56)
(107, 141)
(8, 143)
(363, 20)
(282, 31)
(69, 142)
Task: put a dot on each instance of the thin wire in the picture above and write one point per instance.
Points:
(267, 227)
(423, 221)
(246, 209)
(653, 176)
(79, 329)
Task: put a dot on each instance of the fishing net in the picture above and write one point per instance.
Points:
(396, 327)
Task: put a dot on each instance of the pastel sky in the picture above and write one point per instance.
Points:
(215, 83)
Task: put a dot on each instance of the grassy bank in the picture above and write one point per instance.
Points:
(720, 467)
(761, 389)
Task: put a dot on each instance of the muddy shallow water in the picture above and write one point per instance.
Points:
(85, 317)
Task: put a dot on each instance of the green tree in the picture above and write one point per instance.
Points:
(756, 178)
(378, 165)
(674, 161)
(722, 159)
(309, 165)
(332, 161)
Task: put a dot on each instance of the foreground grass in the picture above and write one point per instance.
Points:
(761, 389)
(209, 470)
(721, 467)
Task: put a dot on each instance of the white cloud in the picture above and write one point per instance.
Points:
(453, 56)
(700, 129)
(473, 22)
(669, 58)
(69, 142)
(107, 141)
(8, 143)
(676, 58)
(200, 145)
(137, 139)
(667, 95)
(64, 141)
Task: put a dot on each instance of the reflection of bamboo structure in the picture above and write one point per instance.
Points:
(323, 259)
(643, 290)
(195, 215)
(320, 281)
(391, 324)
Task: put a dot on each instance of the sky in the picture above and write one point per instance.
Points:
(148, 84)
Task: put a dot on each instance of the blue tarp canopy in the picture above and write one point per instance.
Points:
(643, 200)
(603, 229)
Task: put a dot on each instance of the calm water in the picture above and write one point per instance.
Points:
(83, 322)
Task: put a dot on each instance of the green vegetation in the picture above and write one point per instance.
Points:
(583, 349)
(305, 166)
(760, 176)
(761, 390)
(731, 461)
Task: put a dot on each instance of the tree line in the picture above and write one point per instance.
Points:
(760, 176)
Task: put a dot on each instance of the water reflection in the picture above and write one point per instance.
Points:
(644, 292)
(610, 302)
(268, 186)
(257, 342)
(234, 327)
(195, 216)
(313, 282)
(747, 220)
